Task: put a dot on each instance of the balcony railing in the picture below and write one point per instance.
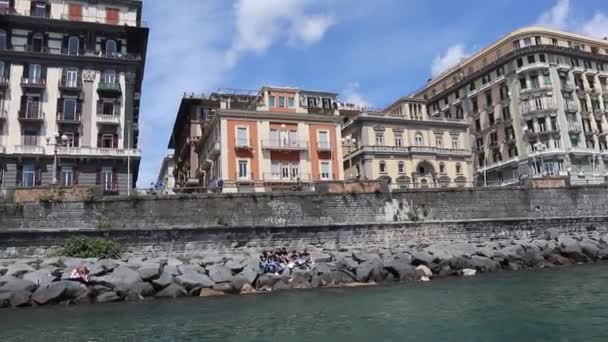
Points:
(413, 149)
(574, 127)
(323, 146)
(33, 82)
(68, 118)
(32, 114)
(242, 145)
(98, 151)
(532, 107)
(29, 149)
(291, 178)
(532, 66)
(291, 145)
(582, 150)
(70, 84)
(109, 88)
(568, 87)
(107, 119)
(570, 106)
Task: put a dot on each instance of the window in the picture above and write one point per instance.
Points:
(485, 79)
(600, 66)
(442, 168)
(274, 137)
(73, 46)
(30, 137)
(491, 118)
(3, 40)
(489, 99)
(520, 62)
(67, 176)
(69, 109)
(38, 8)
(291, 102)
(325, 167)
(37, 42)
(107, 108)
(506, 113)
(477, 125)
(379, 139)
(243, 169)
(500, 71)
(109, 76)
(516, 44)
(542, 58)
(271, 102)
(547, 80)
(326, 103)
(527, 41)
(472, 86)
(504, 92)
(312, 102)
(439, 142)
(281, 101)
(293, 138)
(455, 144)
(475, 104)
(522, 83)
(537, 40)
(323, 137)
(241, 137)
(28, 178)
(458, 169)
(401, 167)
(554, 41)
(534, 81)
(418, 139)
(75, 12)
(382, 166)
(112, 16)
(459, 112)
(398, 141)
(32, 106)
(107, 175)
(111, 47)
(107, 140)
(587, 64)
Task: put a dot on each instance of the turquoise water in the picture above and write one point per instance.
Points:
(568, 304)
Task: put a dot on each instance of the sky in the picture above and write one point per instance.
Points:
(370, 52)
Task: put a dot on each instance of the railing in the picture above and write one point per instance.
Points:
(574, 127)
(414, 149)
(242, 145)
(570, 106)
(582, 150)
(4, 81)
(108, 119)
(68, 117)
(532, 66)
(532, 106)
(323, 146)
(70, 83)
(109, 87)
(33, 82)
(97, 151)
(284, 145)
(29, 149)
(32, 114)
(103, 20)
(278, 177)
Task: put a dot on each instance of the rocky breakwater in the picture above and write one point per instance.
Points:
(36, 282)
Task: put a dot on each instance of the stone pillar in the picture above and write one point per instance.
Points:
(129, 95)
(89, 110)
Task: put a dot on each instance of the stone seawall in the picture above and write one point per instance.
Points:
(310, 209)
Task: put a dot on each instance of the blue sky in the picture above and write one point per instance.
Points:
(371, 52)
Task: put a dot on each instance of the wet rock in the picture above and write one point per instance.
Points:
(103, 266)
(20, 298)
(571, 249)
(58, 291)
(267, 281)
(11, 284)
(164, 280)
(347, 263)
(122, 279)
(172, 291)
(369, 271)
(532, 259)
(194, 280)
(41, 277)
(484, 264)
(210, 293)
(238, 282)
(107, 297)
(5, 299)
(220, 274)
(301, 283)
(557, 259)
(282, 284)
(590, 248)
(401, 269)
(249, 273)
(223, 287)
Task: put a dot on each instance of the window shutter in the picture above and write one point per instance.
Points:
(99, 107)
(39, 176)
(98, 139)
(103, 45)
(23, 100)
(76, 175)
(115, 141)
(29, 38)
(118, 45)
(79, 107)
(43, 73)
(26, 70)
(76, 139)
(81, 45)
(59, 105)
(98, 176)
(114, 179)
(19, 175)
(45, 41)
(64, 43)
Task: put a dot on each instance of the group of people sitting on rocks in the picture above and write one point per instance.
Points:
(280, 260)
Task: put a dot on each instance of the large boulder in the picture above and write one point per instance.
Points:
(266, 281)
(11, 284)
(332, 278)
(17, 270)
(20, 298)
(248, 289)
(106, 297)
(172, 291)
(149, 271)
(484, 264)
(123, 279)
(590, 248)
(41, 277)
(165, 279)
(533, 259)
(103, 266)
(369, 271)
(422, 258)
(190, 269)
(571, 248)
(347, 263)
(400, 269)
(363, 257)
(210, 293)
(557, 259)
(194, 280)
(220, 274)
(58, 292)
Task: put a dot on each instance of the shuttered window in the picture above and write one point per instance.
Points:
(112, 16)
(75, 12)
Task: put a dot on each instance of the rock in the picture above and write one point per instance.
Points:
(571, 249)
(333, 278)
(75, 262)
(363, 257)
(551, 234)
(249, 273)
(347, 263)
(603, 253)
(194, 280)
(321, 268)
(52, 261)
(301, 283)
(423, 271)
(20, 298)
(58, 291)
(248, 289)
(533, 259)
(220, 274)
(17, 270)
(172, 270)
(107, 297)
(5, 299)
(223, 287)
(320, 257)
(304, 274)
(139, 291)
(123, 279)
(369, 271)
(422, 258)
(173, 262)
(467, 272)
(171, 291)
(103, 266)
(557, 259)
(238, 282)
(282, 284)
(164, 280)
(149, 272)
(11, 284)
(210, 293)
(484, 264)
(191, 269)
(41, 277)
(266, 281)
(400, 269)
(590, 248)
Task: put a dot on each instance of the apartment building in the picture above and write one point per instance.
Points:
(407, 147)
(271, 139)
(537, 101)
(70, 85)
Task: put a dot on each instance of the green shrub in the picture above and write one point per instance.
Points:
(86, 247)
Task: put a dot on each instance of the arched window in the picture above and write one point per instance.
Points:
(111, 47)
(419, 139)
(382, 166)
(458, 169)
(3, 40)
(73, 46)
(37, 42)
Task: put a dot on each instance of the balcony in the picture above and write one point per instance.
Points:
(539, 105)
(570, 107)
(582, 150)
(33, 83)
(29, 149)
(111, 89)
(532, 66)
(70, 84)
(277, 177)
(4, 81)
(509, 140)
(243, 145)
(73, 118)
(574, 128)
(438, 150)
(98, 152)
(107, 119)
(276, 145)
(494, 145)
(568, 88)
(32, 114)
(323, 146)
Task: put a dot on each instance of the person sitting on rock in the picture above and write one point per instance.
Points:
(80, 273)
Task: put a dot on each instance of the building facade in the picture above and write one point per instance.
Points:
(406, 147)
(70, 85)
(537, 103)
(272, 139)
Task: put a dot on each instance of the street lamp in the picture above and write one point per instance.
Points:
(55, 141)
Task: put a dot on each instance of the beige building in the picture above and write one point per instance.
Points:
(405, 146)
(537, 103)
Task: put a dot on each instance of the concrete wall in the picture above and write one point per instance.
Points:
(309, 209)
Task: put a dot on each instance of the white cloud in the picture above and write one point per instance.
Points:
(260, 23)
(557, 16)
(453, 55)
(353, 96)
(597, 26)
